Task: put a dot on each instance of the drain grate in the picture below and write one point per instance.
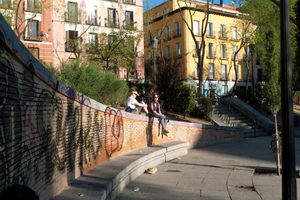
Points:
(247, 187)
(173, 170)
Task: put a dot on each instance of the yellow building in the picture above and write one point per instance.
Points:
(223, 38)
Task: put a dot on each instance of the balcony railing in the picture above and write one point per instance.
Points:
(74, 18)
(113, 24)
(132, 2)
(93, 21)
(177, 33)
(33, 38)
(177, 54)
(37, 8)
(69, 47)
(167, 37)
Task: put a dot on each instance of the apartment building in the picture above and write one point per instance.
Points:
(87, 19)
(222, 40)
(31, 21)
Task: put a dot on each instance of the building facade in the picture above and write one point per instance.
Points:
(47, 27)
(87, 20)
(223, 39)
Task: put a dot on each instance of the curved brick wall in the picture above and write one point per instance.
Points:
(50, 134)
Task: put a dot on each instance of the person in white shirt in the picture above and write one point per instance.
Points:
(132, 104)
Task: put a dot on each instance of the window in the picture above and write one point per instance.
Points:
(237, 71)
(210, 30)
(93, 42)
(234, 33)
(149, 39)
(33, 30)
(196, 70)
(195, 47)
(222, 31)
(246, 34)
(235, 48)
(211, 50)
(157, 33)
(72, 14)
(112, 19)
(196, 27)
(247, 54)
(168, 52)
(128, 1)
(211, 70)
(246, 73)
(150, 56)
(224, 72)
(34, 51)
(167, 33)
(92, 18)
(177, 52)
(166, 10)
(32, 5)
(177, 29)
(223, 51)
(156, 15)
(72, 37)
(129, 18)
(5, 3)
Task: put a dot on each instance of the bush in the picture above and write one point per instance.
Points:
(185, 102)
(247, 97)
(203, 107)
(92, 81)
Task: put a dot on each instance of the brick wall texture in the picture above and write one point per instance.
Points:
(50, 134)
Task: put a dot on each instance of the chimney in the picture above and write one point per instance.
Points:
(221, 3)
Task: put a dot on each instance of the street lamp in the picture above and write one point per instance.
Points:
(154, 46)
(251, 47)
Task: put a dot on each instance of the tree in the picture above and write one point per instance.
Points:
(200, 48)
(185, 101)
(168, 82)
(272, 90)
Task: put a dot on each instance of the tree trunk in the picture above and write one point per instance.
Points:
(277, 146)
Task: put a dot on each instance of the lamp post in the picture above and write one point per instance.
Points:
(251, 47)
(154, 47)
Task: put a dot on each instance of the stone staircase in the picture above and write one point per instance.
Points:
(225, 115)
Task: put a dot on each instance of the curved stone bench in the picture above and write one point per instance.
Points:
(108, 179)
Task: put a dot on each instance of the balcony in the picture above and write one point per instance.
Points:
(167, 37)
(177, 33)
(69, 47)
(5, 4)
(73, 18)
(177, 54)
(132, 2)
(93, 21)
(34, 38)
(129, 25)
(112, 24)
(33, 7)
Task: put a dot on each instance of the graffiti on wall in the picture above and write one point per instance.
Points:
(42, 131)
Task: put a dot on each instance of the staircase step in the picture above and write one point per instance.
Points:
(252, 130)
(257, 134)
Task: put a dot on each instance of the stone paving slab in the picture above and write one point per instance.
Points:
(218, 172)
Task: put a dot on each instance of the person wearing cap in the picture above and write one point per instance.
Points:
(132, 104)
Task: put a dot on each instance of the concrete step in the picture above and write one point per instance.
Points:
(252, 130)
(108, 179)
(256, 134)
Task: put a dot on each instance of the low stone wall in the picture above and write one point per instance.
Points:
(50, 134)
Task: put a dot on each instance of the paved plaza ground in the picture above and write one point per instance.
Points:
(218, 172)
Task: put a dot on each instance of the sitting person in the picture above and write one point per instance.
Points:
(132, 104)
(155, 107)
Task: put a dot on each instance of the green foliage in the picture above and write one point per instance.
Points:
(95, 83)
(203, 107)
(271, 90)
(272, 145)
(168, 82)
(185, 102)
(296, 96)
(247, 97)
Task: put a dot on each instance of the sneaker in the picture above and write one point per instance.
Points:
(165, 132)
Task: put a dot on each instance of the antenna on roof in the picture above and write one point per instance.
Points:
(232, 3)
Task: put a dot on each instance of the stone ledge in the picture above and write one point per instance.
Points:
(108, 179)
